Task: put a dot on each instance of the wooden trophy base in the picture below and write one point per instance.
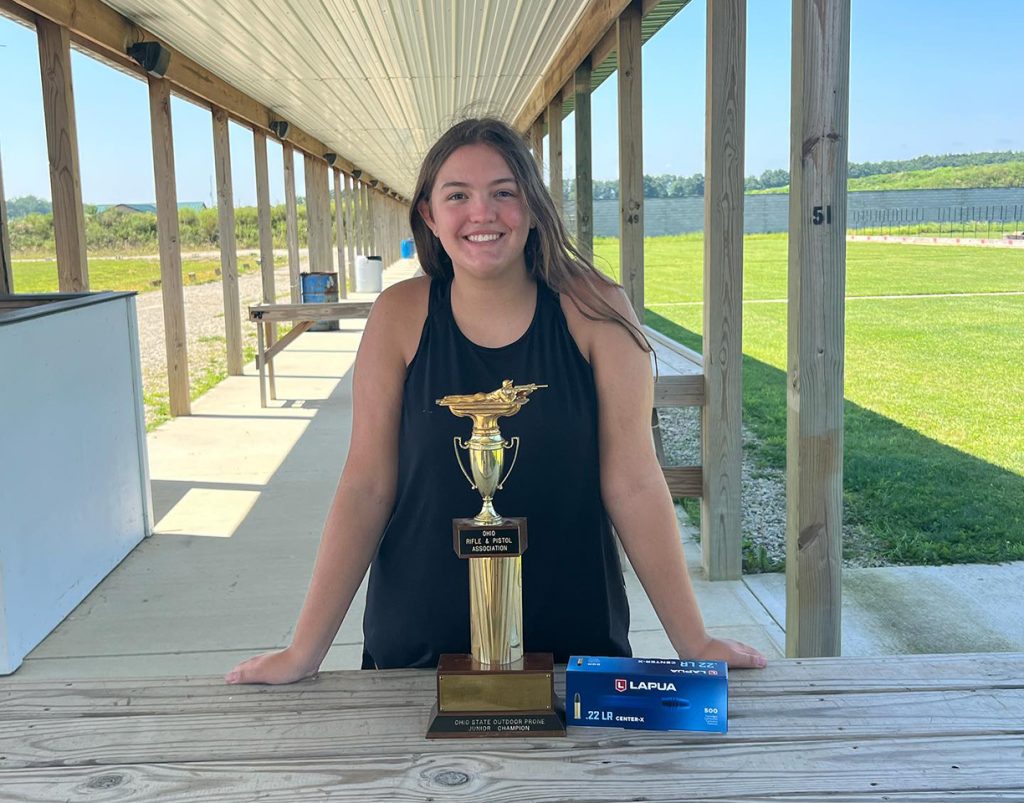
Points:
(516, 700)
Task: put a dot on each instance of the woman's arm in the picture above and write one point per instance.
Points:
(635, 493)
(365, 494)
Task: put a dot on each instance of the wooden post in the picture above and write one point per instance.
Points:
(340, 227)
(357, 221)
(292, 214)
(371, 221)
(226, 238)
(555, 151)
(379, 240)
(350, 232)
(367, 220)
(721, 435)
(171, 288)
(322, 181)
(537, 141)
(264, 216)
(376, 230)
(817, 278)
(631, 157)
(62, 147)
(6, 269)
(316, 189)
(584, 168)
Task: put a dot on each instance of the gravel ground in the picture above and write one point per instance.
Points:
(204, 329)
(763, 495)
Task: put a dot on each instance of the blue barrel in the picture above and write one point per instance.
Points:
(320, 288)
(408, 249)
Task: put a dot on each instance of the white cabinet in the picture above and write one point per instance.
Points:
(74, 483)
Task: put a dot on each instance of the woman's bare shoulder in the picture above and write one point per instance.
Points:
(407, 294)
(400, 312)
(584, 330)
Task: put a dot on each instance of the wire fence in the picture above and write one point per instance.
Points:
(995, 220)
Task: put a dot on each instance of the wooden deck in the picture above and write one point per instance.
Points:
(920, 728)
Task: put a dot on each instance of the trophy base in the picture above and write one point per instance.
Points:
(475, 725)
(478, 700)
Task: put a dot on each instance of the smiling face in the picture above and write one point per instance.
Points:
(477, 210)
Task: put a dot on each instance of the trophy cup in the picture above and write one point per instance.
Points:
(497, 690)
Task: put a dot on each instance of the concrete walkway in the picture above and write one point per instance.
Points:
(240, 495)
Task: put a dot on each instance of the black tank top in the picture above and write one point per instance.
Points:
(574, 600)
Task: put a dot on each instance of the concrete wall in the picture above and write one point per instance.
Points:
(766, 213)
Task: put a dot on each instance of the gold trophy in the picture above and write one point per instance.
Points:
(497, 690)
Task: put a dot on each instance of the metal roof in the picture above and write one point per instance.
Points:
(377, 81)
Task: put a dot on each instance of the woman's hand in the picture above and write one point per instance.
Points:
(735, 653)
(283, 666)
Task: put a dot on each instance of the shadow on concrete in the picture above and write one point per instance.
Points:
(167, 493)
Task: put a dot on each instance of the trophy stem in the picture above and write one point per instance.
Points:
(487, 514)
(496, 610)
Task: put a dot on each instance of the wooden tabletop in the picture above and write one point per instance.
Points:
(328, 311)
(924, 728)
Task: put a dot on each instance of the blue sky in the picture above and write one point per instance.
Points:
(926, 76)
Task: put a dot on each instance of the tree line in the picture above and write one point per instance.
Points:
(117, 231)
(672, 186)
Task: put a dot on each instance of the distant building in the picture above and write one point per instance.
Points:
(197, 205)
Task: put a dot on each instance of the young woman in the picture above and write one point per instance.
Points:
(506, 296)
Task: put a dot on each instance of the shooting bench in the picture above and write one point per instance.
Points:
(923, 728)
(267, 316)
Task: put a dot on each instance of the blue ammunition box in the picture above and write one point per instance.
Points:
(647, 693)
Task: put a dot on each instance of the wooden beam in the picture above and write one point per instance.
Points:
(226, 239)
(350, 234)
(309, 312)
(536, 135)
(62, 148)
(684, 481)
(679, 391)
(584, 163)
(721, 427)
(317, 232)
(171, 288)
(357, 220)
(264, 216)
(605, 47)
(371, 221)
(6, 268)
(555, 152)
(339, 226)
(631, 158)
(99, 28)
(265, 222)
(322, 179)
(596, 19)
(364, 218)
(594, 37)
(817, 278)
(292, 222)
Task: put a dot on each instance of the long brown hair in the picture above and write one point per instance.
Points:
(550, 255)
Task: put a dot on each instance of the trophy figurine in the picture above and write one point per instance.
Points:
(496, 690)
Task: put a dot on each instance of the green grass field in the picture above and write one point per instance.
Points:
(127, 273)
(934, 452)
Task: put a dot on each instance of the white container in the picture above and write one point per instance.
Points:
(369, 274)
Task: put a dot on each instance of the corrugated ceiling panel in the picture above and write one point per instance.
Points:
(376, 80)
